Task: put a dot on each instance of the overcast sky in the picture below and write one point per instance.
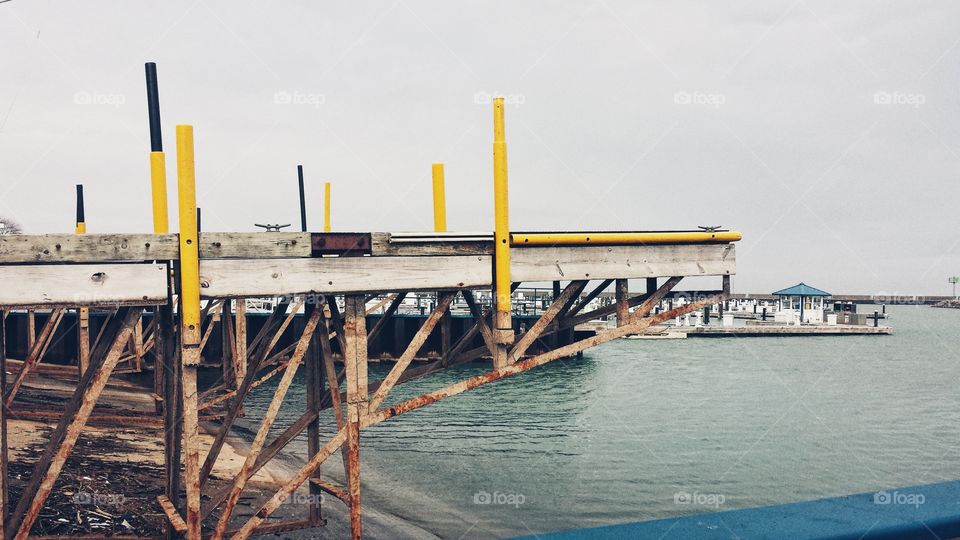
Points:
(827, 132)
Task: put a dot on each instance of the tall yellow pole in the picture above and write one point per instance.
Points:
(189, 251)
(189, 323)
(158, 184)
(502, 283)
(439, 200)
(326, 207)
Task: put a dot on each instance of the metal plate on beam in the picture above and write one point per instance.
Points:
(83, 285)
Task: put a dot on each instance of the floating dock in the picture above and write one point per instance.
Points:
(773, 330)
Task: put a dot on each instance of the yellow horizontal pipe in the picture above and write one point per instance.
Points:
(568, 239)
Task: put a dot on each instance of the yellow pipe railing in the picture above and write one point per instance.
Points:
(582, 238)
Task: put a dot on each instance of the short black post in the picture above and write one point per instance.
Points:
(876, 318)
(706, 315)
(80, 218)
(763, 316)
(884, 307)
(303, 204)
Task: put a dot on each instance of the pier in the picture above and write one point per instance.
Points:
(165, 291)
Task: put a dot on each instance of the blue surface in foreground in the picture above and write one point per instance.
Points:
(925, 511)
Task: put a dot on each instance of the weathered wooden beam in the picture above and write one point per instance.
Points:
(313, 361)
(83, 284)
(355, 363)
(611, 262)
(443, 304)
(35, 355)
(71, 248)
(480, 321)
(398, 245)
(71, 424)
(229, 278)
(647, 306)
(173, 516)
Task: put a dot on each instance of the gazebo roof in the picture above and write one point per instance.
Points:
(801, 289)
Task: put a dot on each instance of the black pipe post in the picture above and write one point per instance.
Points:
(303, 203)
(198, 220)
(80, 218)
(153, 107)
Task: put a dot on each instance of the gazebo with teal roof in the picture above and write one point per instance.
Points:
(801, 296)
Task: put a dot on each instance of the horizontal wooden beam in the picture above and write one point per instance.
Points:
(83, 285)
(259, 277)
(619, 262)
(73, 248)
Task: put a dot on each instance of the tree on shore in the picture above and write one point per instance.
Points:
(9, 226)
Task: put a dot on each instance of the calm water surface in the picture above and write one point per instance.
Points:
(616, 435)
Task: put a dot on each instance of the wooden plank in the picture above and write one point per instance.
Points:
(355, 363)
(23, 248)
(174, 517)
(231, 278)
(610, 262)
(83, 284)
(26, 248)
(623, 304)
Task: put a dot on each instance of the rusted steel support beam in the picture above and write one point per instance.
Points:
(227, 346)
(524, 365)
(480, 322)
(327, 487)
(432, 397)
(566, 298)
(647, 306)
(336, 318)
(167, 360)
(36, 353)
(443, 304)
(586, 299)
(240, 480)
(71, 424)
(382, 323)
(271, 450)
(83, 339)
(330, 371)
(292, 484)
(245, 386)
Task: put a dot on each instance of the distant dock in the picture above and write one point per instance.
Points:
(760, 330)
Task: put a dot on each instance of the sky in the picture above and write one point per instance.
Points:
(826, 132)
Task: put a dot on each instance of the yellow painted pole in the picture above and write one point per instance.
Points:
(189, 323)
(502, 283)
(326, 207)
(158, 184)
(189, 252)
(81, 228)
(439, 200)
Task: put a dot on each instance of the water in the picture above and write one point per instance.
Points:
(619, 434)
